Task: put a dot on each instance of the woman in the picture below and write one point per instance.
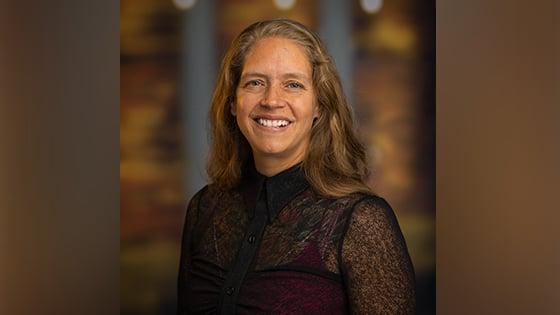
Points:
(288, 225)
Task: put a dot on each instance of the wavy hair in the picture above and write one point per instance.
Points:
(335, 162)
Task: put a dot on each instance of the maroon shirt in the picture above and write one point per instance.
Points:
(273, 246)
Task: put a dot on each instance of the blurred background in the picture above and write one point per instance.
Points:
(170, 54)
(498, 121)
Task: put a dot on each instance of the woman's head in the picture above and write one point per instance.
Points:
(256, 82)
(275, 103)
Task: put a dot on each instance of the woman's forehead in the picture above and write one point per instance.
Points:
(270, 55)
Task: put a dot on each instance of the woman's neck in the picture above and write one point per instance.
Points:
(270, 167)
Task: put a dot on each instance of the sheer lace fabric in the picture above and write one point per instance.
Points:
(375, 263)
(315, 255)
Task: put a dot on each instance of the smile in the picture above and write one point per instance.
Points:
(280, 123)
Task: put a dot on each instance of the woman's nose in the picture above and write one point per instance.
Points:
(273, 97)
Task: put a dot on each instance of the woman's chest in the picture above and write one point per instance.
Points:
(304, 233)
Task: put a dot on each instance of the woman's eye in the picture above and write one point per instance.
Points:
(295, 85)
(253, 83)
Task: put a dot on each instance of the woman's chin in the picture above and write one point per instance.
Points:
(271, 152)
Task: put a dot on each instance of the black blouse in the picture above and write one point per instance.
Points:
(273, 246)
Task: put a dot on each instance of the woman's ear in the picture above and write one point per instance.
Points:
(232, 108)
(316, 115)
(316, 112)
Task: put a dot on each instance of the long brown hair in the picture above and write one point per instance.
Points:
(335, 164)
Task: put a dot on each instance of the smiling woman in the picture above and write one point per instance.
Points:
(288, 225)
(275, 104)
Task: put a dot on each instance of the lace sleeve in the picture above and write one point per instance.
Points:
(376, 267)
(191, 218)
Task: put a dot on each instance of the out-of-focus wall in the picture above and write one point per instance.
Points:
(392, 71)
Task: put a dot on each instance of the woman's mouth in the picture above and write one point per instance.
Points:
(272, 123)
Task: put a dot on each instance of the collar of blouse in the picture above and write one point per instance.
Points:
(275, 191)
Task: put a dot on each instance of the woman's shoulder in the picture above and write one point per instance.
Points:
(211, 194)
(362, 200)
(368, 208)
(206, 194)
(370, 200)
(202, 202)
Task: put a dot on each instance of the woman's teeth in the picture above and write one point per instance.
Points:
(272, 123)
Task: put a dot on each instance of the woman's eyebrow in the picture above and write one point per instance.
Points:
(290, 75)
(295, 75)
(253, 74)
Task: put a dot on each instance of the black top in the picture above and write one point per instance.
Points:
(273, 246)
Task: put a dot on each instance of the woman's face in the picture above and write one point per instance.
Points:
(275, 101)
